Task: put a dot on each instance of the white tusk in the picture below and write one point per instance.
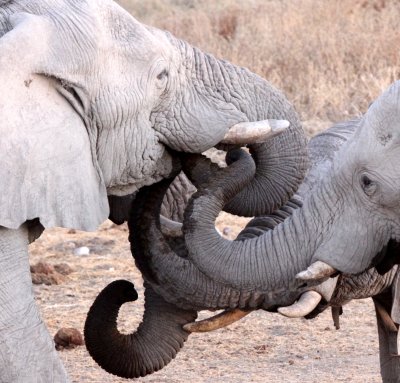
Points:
(169, 227)
(307, 303)
(218, 321)
(254, 132)
(318, 270)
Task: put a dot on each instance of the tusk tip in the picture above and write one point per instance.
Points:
(279, 125)
(285, 312)
(188, 327)
(254, 132)
(317, 271)
(304, 306)
(305, 275)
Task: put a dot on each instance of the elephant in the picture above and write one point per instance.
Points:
(95, 105)
(173, 270)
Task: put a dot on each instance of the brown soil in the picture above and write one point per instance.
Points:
(263, 347)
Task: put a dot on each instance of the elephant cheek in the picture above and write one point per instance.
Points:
(350, 253)
(130, 163)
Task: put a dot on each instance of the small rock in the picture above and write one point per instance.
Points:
(82, 251)
(42, 268)
(68, 338)
(63, 268)
(291, 362)
(261, 349)
(45, 274)
(47, 279)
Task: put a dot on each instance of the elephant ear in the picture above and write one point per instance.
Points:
(47, 167)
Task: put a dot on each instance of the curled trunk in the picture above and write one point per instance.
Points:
(283, 160)
(152, 346)
(164, 261)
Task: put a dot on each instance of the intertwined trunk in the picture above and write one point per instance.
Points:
(166, 263)
(268, 262)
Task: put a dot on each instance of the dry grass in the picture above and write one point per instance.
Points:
(331, 58)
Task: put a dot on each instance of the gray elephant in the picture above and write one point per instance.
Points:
(258, 269)
(94, 103)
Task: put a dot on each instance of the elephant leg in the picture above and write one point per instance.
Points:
(27, 352)
(388, 332)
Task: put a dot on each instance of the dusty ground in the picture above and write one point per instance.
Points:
(261, 348)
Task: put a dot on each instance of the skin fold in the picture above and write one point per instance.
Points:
(96, 104)
(166, 263)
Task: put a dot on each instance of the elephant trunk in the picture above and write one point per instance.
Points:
(154, 344)
(283, 160)
(268, 262)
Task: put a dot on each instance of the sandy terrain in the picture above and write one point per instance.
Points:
(263, 347)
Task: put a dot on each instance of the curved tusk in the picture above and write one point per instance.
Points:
(318, 270)
(169, 227)
(307, 303)
(218, 321)
(254, 132)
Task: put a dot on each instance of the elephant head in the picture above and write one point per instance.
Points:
(95, 101)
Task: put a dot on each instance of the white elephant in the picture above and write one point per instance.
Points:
(93, 103)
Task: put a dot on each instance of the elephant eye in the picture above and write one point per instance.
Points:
(162, 75)
(368, 186)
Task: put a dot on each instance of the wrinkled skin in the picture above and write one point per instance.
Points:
(170, 269)
(92, 103)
